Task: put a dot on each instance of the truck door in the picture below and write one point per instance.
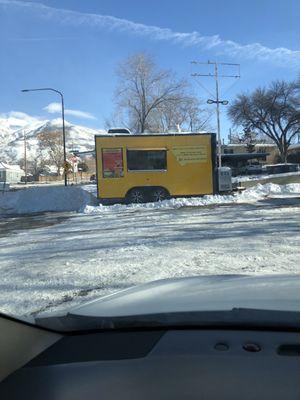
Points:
(111, 177)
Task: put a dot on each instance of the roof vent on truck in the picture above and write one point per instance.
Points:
(119, 131)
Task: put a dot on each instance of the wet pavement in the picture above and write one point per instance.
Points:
(12, 225)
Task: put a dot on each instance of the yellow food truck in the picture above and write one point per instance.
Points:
(153, 167)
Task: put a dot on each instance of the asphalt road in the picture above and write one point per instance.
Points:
(14, 224)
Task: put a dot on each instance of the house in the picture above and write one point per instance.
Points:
(268, 149)
(294, 153)
(238, 157)
(10, 173)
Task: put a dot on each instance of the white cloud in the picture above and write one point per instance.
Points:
(280, 55)
(19, 115)
(54, 108)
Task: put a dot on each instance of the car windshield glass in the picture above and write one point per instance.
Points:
(149, 162)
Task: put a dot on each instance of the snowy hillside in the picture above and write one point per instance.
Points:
(15, 125)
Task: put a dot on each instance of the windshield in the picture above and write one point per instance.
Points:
(149, 162)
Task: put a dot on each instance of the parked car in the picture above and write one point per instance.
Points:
(280, 168)
(93, 178)
(30, 178)
(251, 169)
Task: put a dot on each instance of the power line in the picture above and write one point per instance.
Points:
(230, 87)
(217, 100)
(204, 88)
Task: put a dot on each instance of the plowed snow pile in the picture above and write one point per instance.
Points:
(43, 199)
(76, 198)
(250, 195)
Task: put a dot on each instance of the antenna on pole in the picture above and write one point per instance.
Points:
(217, 100)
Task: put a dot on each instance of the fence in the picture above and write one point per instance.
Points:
(292, 177)
(74, 178)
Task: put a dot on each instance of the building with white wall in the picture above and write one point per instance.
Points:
(10, 173)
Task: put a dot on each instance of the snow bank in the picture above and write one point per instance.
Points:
(43, 199)
(249, 195)
(91, 188)
(242, 178)
(75, 198)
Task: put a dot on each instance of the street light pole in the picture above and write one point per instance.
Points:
(63, 123)
(217, 102)
(25, 156)
(64, 137)
(218, 116)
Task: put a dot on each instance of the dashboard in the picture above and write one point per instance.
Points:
(160, 364)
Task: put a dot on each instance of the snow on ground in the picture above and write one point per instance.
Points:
(29, 200)
(245, 178)
(42, 199)
(91, 188)
(55, 261)
(249, 195)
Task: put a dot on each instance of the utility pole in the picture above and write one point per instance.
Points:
(217, 100)
(218, 115)
(25, 156)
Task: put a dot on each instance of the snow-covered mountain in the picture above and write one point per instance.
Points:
(15, 125)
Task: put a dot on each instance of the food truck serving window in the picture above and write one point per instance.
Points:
(112, 163)
(146, 159)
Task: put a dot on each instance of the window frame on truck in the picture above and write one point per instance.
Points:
(141, 150)
(117, 150)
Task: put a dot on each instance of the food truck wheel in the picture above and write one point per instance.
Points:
(136, 195)
(159, 194)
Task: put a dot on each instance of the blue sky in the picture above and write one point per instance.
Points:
(74, 46)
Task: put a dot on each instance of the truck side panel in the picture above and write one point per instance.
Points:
(189, 169)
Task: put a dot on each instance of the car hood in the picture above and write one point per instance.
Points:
(199, 293)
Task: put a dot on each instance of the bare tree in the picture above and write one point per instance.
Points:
(274, 111)
(149, 98)
(82, 166)
(186, 114)
(51, 143)
(197, 118)
(249, 139)
(117, 119)
(35, 164)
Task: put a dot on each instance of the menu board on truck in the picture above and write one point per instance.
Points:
(190, 154)
(112, 162)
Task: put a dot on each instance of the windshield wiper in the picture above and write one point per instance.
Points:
(243, 318)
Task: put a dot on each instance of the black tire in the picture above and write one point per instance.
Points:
(136, 195)
(159, 194)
